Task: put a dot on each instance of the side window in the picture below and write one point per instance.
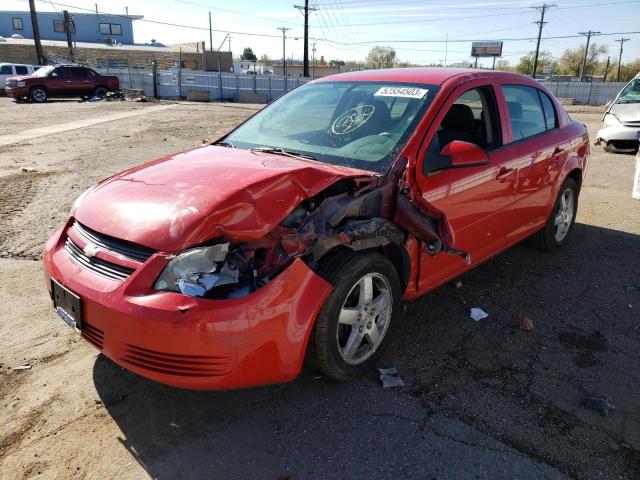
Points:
(58, 26)
(60, 73)
(6, 70)
(472, 118)
(78, 72)
(525, 111)
(17, 23)
(549, 110)
(21, 70)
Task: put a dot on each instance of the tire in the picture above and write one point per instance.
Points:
(38, 94)
(557, 230)
(100, 92)
(352, 332)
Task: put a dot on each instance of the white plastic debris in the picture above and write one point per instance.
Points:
(636, 179)
(26, 366)
(390, 378)
(478, 314)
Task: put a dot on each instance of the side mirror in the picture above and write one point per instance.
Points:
(464, 154)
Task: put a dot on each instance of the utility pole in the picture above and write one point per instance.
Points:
(542, 9)
(305, 11)
(313, 61)
(446, 48)
(210, 34)
(68, 29)
(36, 32)
(606, 69)
(583, 68)
(284, 54)
(621, 40)
(229, 39)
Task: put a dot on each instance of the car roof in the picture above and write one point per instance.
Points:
(426, 75)
(17, 64)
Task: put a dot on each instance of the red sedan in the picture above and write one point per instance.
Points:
(298, 234)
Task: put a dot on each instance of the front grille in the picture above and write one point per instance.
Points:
(93, 335)
(98, 266)
(182, 365)
(122, 247)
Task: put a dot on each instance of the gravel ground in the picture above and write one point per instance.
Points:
(482, 399)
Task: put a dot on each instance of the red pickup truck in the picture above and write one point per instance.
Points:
(60, 81)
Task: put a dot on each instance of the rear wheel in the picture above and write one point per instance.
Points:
(100, 92)
(38, 94)
(560, 224)
(355, 324)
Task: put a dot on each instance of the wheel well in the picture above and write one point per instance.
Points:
(100, 86)
(576, 176)
(396, 254)
(37, 86)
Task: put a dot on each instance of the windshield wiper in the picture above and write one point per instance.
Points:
(282, 151)
(225, 144)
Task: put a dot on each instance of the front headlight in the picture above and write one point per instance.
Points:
(21, 83)
(196, 271)
(611, 120)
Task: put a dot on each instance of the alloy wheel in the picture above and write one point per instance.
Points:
(364, 318)
(564, 215)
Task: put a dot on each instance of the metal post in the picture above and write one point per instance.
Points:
(180, 73)
(154, 66)
(210, 34)
(583, 68)
(284, 55)
(270, 94)
(98, 21)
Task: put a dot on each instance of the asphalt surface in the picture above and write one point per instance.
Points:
(486, 400)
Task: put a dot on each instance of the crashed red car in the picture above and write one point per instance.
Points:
(298, 234)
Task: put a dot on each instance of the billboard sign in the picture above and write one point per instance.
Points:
(486, 49)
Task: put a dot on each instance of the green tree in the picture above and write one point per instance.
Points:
(265, 59)
(525, 65)
(381, 57)
(247, 54)
(503, 65)
(571, 60)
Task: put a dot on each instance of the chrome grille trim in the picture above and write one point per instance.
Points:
(122, 247)
(96, 265)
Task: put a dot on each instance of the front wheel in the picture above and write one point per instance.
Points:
(38, 95)
(559, 226)
(355, 324)
(100, 92)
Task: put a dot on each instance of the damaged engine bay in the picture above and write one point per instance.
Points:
(358, 213)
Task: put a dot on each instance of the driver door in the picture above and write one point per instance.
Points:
(472, 198)
(59, 79)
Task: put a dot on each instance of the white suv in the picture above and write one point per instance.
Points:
(14, 69)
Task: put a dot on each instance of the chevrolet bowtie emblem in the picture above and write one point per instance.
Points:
(91, 250)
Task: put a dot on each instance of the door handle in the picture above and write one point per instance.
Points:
(504, 173)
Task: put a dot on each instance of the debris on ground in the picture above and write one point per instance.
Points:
(478, 314)
(599, 403)
(390, 378)
(26, 366)
(120, 95)
(526, 324)
(28, 169)
(458, 284)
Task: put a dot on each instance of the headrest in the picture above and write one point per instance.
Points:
(515, 110)
(459, 118)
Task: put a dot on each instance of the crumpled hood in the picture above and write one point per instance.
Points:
(626, 112)
(191, 197)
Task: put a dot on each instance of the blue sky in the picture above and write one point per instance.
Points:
(347, 29)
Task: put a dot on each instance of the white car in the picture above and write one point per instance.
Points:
(8, 70)
(621, 130)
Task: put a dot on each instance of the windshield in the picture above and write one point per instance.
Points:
(630, 93)
(42, 71)
(354, 124)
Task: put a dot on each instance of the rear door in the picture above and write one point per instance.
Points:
(538, 148)
(473, 199)
(80, 82)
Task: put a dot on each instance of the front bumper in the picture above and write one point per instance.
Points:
(16, 91)
(192, 342)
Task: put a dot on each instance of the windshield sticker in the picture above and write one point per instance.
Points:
(352, 119)
(406, 92)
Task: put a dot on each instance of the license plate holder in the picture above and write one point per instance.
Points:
(68, 305)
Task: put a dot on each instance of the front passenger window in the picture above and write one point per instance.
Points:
(472, 118)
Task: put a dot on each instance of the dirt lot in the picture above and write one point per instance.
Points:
(482, 399)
